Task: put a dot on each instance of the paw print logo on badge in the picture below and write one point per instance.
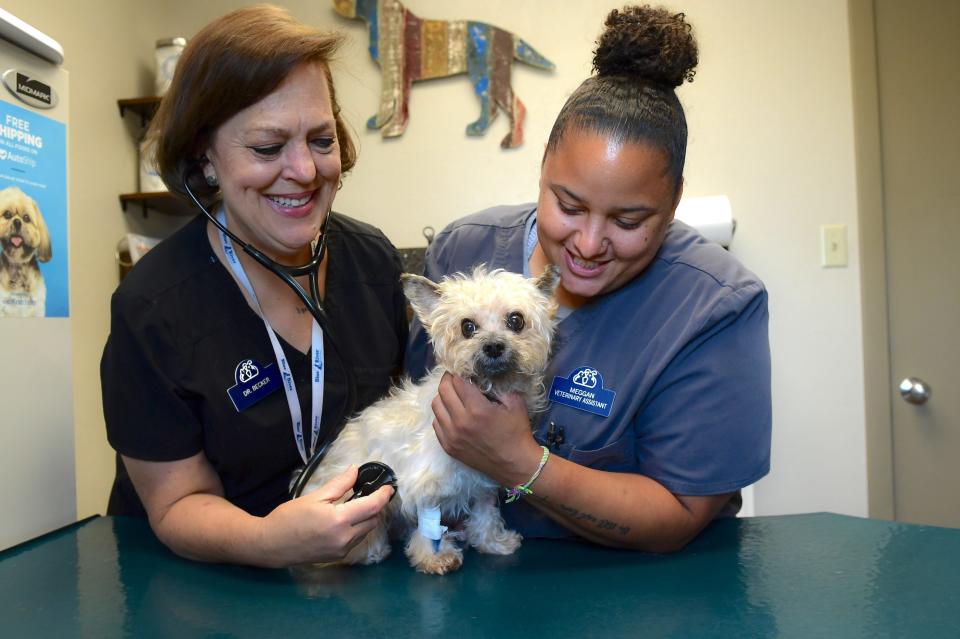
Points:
(586, 377)
(583, 389)
(246, 371)
(252, 382)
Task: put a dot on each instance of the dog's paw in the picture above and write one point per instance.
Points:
(505, 542)
(487, 533)
(365, 556)
(373, 549)
(378, 553)
(394, 130)
(440, 563)
(447, 558)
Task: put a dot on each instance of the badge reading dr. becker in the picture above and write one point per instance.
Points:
(583, 390)
(254, 381)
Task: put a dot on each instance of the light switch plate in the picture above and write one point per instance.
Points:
(833, 245)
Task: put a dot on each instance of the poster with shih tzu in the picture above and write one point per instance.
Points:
(33, 215)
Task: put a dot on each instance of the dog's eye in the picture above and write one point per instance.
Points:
(515, 322)
(7, 215)
(468, 328)
(26, 218)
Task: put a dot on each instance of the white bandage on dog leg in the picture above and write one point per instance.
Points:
(428, 525)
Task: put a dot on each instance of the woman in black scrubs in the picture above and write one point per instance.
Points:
(207, 431)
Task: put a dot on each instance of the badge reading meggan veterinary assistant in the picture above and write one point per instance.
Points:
(583, 390)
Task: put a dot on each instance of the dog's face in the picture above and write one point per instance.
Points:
(346, 8)
(490, 326)
(23, 233)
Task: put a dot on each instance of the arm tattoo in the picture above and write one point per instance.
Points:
(602, 524)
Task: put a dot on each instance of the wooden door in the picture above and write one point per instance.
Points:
(918, 62)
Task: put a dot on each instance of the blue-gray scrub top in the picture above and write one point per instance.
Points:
(680, 353)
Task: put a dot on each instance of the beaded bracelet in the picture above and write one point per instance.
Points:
(513, 494)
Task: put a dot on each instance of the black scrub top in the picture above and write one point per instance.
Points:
(179, 328)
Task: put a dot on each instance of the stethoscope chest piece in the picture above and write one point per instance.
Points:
(370, 477)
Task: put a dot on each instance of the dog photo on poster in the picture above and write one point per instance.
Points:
(33, 215)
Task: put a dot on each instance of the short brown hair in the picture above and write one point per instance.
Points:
(232, 63)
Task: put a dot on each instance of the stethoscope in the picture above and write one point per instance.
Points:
(312, 301)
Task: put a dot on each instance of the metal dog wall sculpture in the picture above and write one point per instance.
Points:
(409, 48)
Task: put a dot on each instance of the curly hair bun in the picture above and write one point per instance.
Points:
(647, 43)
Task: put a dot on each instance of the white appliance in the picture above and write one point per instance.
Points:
(37, 473)
(711, 215)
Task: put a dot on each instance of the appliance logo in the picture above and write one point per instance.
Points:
(29, 90)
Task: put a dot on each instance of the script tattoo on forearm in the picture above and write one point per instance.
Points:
(573, 513)
(602, 524)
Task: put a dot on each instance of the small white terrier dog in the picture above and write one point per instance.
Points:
(493, 328)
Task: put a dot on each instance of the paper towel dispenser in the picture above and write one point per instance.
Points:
(711, 215)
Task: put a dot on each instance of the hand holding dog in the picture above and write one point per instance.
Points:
(315, 528)
(492, 438)
(494, 328)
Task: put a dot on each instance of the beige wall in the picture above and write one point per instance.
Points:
(105, 53)
(771, 125)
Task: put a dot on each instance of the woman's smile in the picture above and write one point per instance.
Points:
(296, 205)
(583, 267)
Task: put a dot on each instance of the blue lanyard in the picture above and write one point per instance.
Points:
(316, 348)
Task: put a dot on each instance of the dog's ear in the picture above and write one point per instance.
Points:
(45, 250)
(549, 280)
(422, 294)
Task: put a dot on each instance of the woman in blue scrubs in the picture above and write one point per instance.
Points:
(659, 387)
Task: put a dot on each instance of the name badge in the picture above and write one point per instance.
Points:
(583, 390)
(254, 381)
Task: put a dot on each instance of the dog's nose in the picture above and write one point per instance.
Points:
(493, 349)
(17, 224)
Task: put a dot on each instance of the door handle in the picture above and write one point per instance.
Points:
(914, 390)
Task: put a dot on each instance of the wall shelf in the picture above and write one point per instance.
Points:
(162, 201)
(145, 107)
